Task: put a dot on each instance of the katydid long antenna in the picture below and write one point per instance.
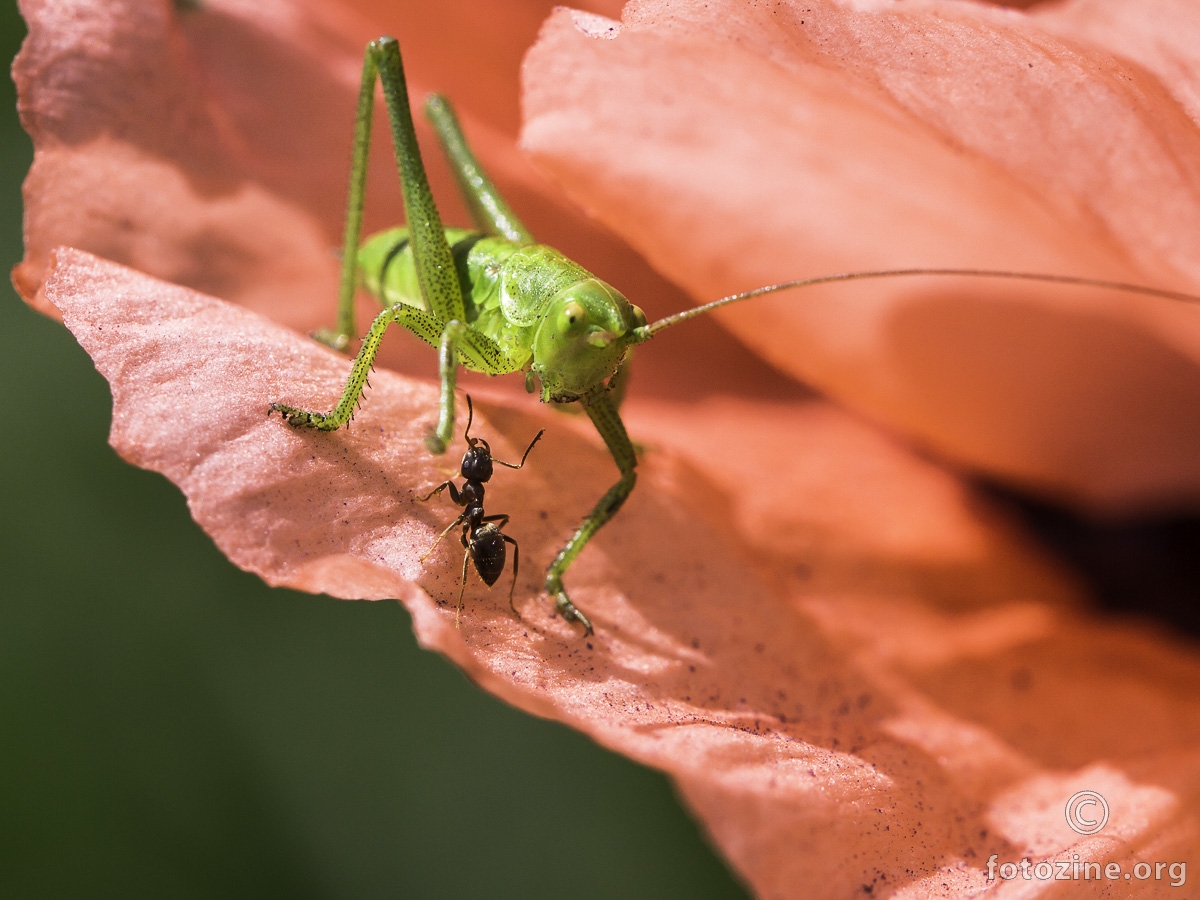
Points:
(648, 331)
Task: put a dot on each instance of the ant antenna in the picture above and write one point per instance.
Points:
(537, 437)
(473, 442)
(470, 419)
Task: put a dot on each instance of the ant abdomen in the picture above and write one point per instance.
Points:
(488, 553)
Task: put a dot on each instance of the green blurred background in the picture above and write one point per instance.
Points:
(171, 727)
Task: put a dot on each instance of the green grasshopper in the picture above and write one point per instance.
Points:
(496, 301)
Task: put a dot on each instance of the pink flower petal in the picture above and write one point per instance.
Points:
(740, 144)
(859, 676)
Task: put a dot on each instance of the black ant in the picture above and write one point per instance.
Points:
(481, 536)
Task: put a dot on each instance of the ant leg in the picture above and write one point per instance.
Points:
(442, 535)
(502, 518)
(462, 590)
(454, 495)
(516, 568)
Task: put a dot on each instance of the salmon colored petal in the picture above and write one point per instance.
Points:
(136, 158)
(858, 675)
(741, 144)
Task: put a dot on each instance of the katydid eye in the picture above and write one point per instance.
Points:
(572, 318)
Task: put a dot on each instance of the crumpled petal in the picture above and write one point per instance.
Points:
(738, 144)
(859, 675)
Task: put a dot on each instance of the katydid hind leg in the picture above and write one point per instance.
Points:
(345, 331)
(489, 210)
(431, 252)
(436, 273)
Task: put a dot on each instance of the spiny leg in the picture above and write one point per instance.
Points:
(436, 274)
(490, 212)
(603, 414)
(414, 319)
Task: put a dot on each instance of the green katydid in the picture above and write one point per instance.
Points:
(495, 301)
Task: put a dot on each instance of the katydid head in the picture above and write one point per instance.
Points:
(582, 339)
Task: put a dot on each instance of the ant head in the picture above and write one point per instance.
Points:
(477, 461)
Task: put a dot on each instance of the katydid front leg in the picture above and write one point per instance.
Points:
(603, 413)
(360, 370)
(454, 340)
